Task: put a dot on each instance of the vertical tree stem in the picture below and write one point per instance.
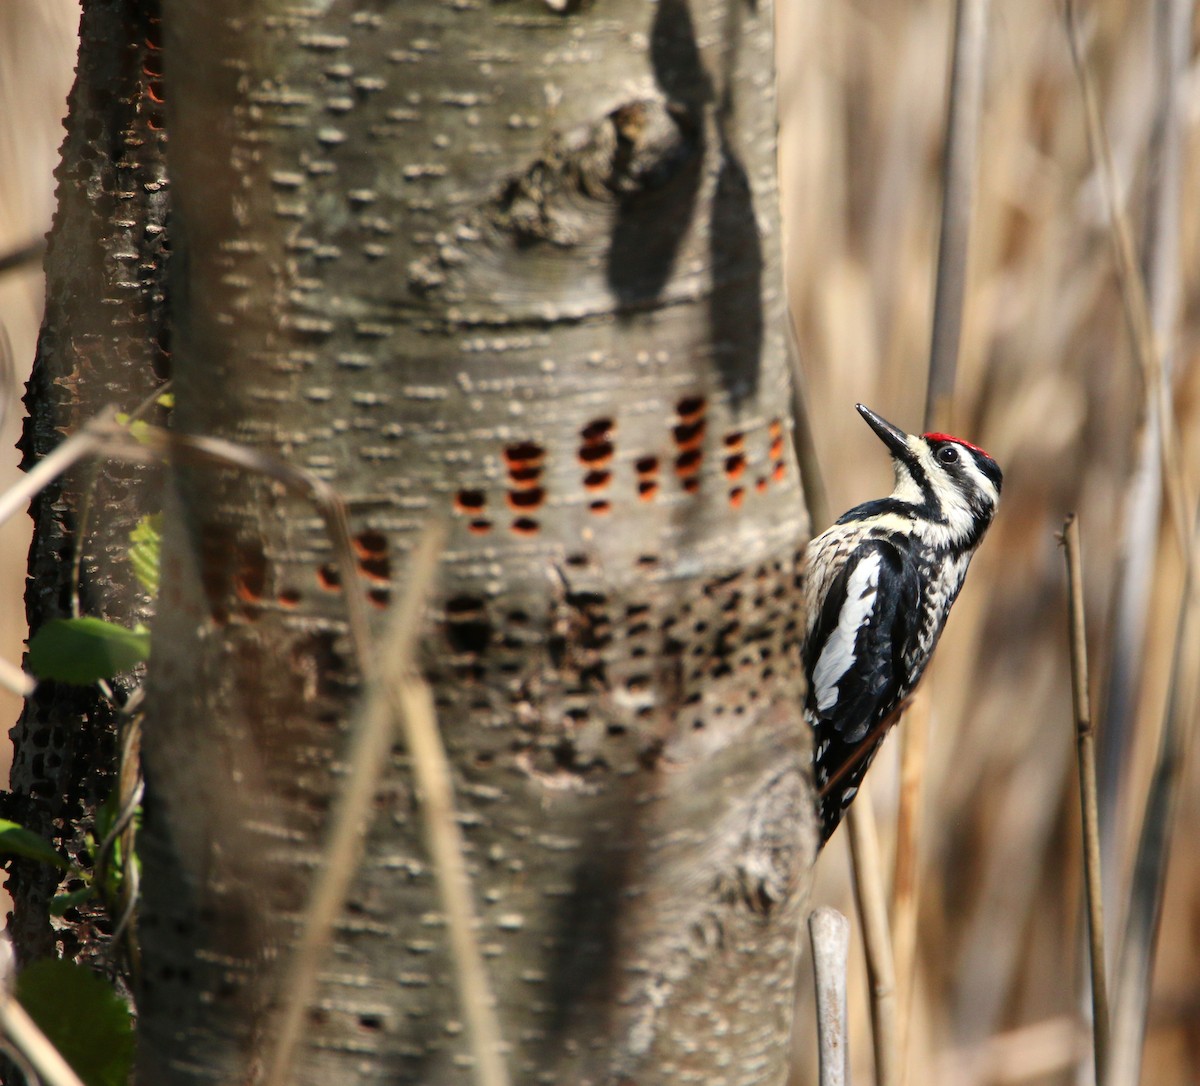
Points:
(1085, 742)
(871, 899)
(829, 932)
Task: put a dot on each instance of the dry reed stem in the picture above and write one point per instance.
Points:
(1133, 296)
(1131, 1002)
(1134, 978)
(871, 899)
(959, 168)
(1142, 500)
(816, 497)
(1089, 808)
(906, 870)
(88, 441)
(413, 697)
(829, 932)
(959, 163)
(24, 1034)
(371, 743)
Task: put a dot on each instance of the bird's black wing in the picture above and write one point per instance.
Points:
(855, 668)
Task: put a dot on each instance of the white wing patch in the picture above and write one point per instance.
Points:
(837, 656)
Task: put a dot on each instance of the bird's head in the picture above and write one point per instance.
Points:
(955, 484)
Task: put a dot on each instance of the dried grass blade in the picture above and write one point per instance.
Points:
(1085, 743)
(871, 898)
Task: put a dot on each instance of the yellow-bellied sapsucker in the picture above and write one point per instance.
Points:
(878, 586)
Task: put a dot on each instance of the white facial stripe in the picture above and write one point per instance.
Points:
(837, 656)
(981, 481)
(960, 517)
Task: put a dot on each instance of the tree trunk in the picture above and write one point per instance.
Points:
(103, 342)
(513, 264)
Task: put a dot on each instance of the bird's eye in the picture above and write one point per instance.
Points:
(948, 454)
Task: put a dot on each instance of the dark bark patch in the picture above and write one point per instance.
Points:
(469, 501)
(526, 499)
(468, 630)
(370, 544)
(689, 435)
(735, 303)
(523, 455)
(597, 430)
(596, 455)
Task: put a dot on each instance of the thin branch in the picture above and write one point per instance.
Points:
(327, 500)
(28, 255)
(83, 443)
(367, 757)
(413, 700)
(8, 375)
(829, 932)
(871, 899)
(1085, 741)
(24, 1034)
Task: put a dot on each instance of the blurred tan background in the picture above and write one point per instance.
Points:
(1047, 383)
(37, 61)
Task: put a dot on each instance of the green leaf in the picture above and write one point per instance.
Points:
(84, 650)
(60, 903)
(16, 840)
(83, 1017)
(167, 400)
(139, 429)
(145, 544)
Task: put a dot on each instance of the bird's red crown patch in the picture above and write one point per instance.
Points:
(957, 441)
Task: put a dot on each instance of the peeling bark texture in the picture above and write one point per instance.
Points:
(513, 264)
(102, 343)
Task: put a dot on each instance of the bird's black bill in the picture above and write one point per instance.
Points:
(895, 439)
